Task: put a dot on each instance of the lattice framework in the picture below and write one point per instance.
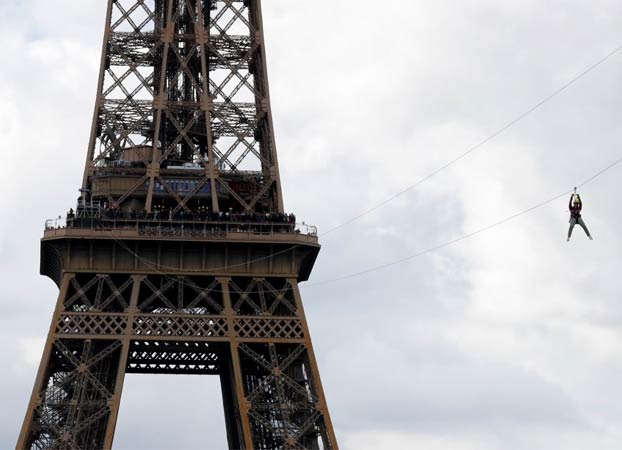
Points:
(182, 123)
(183, 110)
(107, 325)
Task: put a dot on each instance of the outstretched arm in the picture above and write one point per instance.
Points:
(580, 202)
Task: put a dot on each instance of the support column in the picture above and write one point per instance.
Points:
(118, 388)
(237, 370)
(22, 441)
(77, 392)
(321, 405)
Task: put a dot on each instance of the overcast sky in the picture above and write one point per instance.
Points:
(509, 340)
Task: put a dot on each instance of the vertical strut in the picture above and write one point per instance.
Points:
(330, 440)
(116, 400)
(202, 34)
(23, 441)
(242, 407)
(256, 12)
(168, 30)
(88, 167)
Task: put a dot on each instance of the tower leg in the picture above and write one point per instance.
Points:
(233, 421)
(282, 404)
(116, 400)
(35, 399)
(76, 397)
(72, 409)
(328, 435)
(251, 331)
(235, 385)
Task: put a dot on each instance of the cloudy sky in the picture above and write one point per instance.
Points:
(508, 340)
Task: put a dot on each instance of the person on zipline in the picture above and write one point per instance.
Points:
(575, 204)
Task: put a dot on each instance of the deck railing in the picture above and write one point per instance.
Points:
(181, 228)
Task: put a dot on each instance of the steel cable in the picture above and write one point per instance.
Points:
(465, 236)
(415, 255)
(444, 166)
(419, 182)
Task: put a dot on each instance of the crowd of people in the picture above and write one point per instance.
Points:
(162, 213)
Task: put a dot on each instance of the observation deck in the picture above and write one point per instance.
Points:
(196, 243)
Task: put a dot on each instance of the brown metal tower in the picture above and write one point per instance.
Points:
(179, 257)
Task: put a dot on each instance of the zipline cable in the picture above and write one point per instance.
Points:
(444, 166)
(465, 236)
(478, 145)
(424, 252)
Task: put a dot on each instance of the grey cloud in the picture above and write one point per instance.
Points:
(508, 338)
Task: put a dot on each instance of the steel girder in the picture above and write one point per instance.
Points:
(183, 86)
(182, 117)
(251, 331)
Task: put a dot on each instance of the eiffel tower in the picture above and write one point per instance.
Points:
(179, 257)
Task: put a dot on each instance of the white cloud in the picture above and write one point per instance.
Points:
(507, 340)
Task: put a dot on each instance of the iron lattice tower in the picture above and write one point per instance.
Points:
(179, 258)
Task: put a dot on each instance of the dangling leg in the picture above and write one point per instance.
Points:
(573, 222)
(585, 228)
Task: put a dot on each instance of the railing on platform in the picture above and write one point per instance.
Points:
(181, 228)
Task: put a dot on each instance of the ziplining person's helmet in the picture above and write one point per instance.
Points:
(576, 198)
